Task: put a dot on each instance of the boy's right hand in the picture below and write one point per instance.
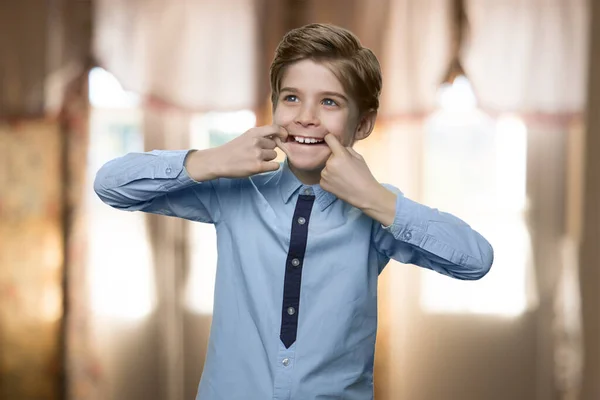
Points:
(249, 154)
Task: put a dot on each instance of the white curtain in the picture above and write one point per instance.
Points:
(522, 56)
(415, 56)
(528, 56)
(194, 54)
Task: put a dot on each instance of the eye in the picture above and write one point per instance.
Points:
(290, 98)
(329, 102)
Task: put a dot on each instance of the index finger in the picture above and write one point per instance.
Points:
(272, 131)
(334, 144)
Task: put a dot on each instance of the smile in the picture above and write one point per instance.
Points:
(307, 140)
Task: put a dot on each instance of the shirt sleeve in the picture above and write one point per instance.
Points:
(432, 239)
(157, 182)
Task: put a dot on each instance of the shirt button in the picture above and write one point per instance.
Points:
(307, 191)
(291, 311)
(285, 362)
(407, 236)
(301, 220)
(295, 262)
(168, 170)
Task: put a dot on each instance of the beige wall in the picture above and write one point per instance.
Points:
(590, 245)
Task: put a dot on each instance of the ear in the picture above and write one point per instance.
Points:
(365, 125)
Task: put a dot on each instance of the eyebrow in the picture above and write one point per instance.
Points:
(326, 93)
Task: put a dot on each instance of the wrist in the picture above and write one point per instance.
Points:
(372, 197)
(380, 204)
(202, 165)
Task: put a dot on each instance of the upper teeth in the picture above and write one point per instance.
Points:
(307, 140)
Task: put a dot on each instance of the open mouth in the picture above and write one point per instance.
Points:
(305, 140)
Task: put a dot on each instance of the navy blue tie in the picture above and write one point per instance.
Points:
(293, 270)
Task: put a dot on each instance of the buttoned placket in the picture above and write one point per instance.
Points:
(291, 294)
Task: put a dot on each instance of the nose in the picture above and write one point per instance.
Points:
(307, 116)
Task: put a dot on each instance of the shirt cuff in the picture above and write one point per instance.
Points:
(171, 167)
(408, 226)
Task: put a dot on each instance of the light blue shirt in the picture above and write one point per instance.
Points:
(335, 323)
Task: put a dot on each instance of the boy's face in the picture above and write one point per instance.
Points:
(313, 103)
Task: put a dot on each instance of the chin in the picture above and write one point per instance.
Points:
(308, 157)
(307, 164)
(307, 167)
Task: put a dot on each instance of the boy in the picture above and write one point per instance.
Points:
(300, 244)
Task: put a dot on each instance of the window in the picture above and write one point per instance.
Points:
(120, 266)
(475, 168)
(208, 131)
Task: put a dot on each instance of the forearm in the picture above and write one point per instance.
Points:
(446, 243)
(203, 165)
(135, 179)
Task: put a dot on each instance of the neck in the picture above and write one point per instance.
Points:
(307, 177)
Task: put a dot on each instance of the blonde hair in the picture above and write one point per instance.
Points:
(355, 66)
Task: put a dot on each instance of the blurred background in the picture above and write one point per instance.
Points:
(489, 111)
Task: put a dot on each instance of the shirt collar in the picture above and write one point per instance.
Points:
(289, 184)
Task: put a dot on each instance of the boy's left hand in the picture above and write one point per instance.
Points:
(347, 175)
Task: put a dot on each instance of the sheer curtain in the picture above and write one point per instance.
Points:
(530, 57)
(195, 54)
(181, 57)
(524, 57)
